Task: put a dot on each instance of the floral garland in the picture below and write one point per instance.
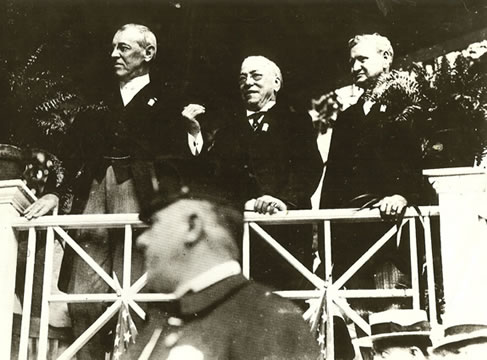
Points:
(399, 92)
(447, 107)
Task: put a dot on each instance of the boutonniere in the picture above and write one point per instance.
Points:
(152, 101)
(265, 127)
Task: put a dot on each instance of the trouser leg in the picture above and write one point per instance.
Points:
(121, 198)
(107, 248)
(85, 280)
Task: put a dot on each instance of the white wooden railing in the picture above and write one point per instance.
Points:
(331, 292)
(127, 291)
(14, 197)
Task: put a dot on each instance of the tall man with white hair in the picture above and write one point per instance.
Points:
(372, 158)
(109, 159)
(267, 159)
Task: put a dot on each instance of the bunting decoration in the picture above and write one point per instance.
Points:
(125, 331)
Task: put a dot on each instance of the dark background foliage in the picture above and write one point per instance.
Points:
(53, 50)
(202, 42)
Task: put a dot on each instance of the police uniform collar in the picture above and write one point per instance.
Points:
(209, 277)
(196, 302)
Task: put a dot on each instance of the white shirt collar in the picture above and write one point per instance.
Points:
(367, 106)
(209, 277)
(131, 88)
(265, 108)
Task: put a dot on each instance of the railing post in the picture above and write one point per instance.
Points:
(246, 251)
(413, 248)
(14, 198)
(462, 192)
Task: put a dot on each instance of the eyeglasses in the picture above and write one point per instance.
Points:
(254, 76)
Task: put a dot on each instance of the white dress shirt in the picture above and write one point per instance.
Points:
(265, 108)
(195, 143)
(131, 88)
(367, 106)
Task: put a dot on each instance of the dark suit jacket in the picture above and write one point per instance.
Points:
(148, 127)
(280, 159)
(371, 155)
(232, 319)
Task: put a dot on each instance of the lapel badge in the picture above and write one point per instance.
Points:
(152, 101)
(383, 108)
(265, 127)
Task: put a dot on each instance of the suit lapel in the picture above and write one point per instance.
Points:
(142, 98)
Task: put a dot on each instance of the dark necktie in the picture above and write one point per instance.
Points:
(196, 152)
(255, 119)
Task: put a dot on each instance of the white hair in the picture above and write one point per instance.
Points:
(382, 44)
(148, 37)
(271, 64)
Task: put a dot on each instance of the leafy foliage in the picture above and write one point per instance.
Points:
(399, 92)
(325, 111)
(45, 99)
(446, 106)
(455, 111)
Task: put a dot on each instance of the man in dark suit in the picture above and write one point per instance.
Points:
(371, 157)
(191, 251)
(266, 158)
(109, 167)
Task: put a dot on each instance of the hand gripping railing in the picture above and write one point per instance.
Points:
(331, 291)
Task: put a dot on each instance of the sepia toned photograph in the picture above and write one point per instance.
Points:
(243, 179)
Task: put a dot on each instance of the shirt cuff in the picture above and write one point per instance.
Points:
(195, 143)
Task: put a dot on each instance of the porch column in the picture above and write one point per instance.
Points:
(462, 196)
(14, 198)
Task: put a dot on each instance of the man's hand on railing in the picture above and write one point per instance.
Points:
(392, 206)
(41, 206)
(265, 204)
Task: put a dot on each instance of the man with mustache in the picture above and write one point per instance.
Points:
(266, 158)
